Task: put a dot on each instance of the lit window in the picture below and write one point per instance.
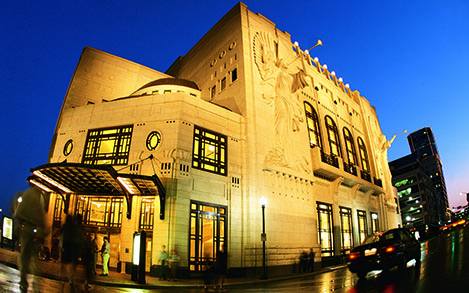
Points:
(363, 155)
(147, 214)
(109, 146)
(68, 147)
(153, 140)
(326, 233)
(209, 151)
(350, 146)
(333, 136)
(312, 122)
(346, 229)
(362, 226)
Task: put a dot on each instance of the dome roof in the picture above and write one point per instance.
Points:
(171, 81)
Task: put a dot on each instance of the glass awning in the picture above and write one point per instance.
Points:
(83, 179)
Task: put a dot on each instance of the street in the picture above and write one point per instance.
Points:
(444, 268)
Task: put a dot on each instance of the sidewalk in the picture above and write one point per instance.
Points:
(51, 270)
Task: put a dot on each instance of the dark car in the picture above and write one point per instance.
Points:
(383, 251)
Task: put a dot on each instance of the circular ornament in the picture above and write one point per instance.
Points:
(153, 140)
(68, 147)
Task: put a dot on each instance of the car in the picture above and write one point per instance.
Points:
(383, 251)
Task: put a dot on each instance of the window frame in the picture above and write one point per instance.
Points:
(346, 214)
(350, 147)
(203, 139)
(327, 242)
(333, 136)
(365, 161)
(122, 137)
(147, 217)
(362, 230)
(315, 132)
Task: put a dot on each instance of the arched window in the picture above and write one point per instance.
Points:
(333, 136)
(363, 155)
(350, 147)
(312, 122)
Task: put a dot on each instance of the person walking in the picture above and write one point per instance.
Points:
(311, 260)
(163, 260)
(173, 265)
(303, 261)
(94, 246)
(105, 252)
(222, 266)
(87, 258)
(28, 209)
(72, 242)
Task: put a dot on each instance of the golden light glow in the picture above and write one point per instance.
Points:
(128, 185)
(53, 182)
(41, 186)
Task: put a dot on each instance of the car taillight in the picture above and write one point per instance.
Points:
(389, 249)
(354, 255)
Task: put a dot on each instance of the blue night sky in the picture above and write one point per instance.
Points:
(408, 58)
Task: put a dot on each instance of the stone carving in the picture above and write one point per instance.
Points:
(280, 93)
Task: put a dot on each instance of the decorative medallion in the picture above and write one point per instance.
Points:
(68, 147)
(153, 140)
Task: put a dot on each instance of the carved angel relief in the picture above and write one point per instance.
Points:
(280, 92)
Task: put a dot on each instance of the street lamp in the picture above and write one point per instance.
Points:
(263, 202)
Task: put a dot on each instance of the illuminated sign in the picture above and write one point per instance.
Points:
(7, 229)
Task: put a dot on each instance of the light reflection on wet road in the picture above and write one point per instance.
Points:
(444, 268)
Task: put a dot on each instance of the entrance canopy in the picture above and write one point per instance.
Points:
(99, 180)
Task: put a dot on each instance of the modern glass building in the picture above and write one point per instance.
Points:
(422, 142)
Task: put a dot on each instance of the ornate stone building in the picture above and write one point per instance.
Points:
(186, 155)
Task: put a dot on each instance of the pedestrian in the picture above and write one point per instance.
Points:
(222, 265)
(173, 265)
(94, 246)
(311, 260)
(163, 260)
(105, 252)
(207, 270)
(87, 258)
(28, 209)
(72, 244)
(303, 261)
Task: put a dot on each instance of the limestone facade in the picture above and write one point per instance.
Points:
(251, 86)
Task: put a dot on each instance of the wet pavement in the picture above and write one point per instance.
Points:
(48, 279)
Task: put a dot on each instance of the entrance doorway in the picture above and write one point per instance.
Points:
(207, 234)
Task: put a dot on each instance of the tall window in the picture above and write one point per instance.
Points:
(333, 136)
(101, 211)
(209, 151)
(109, 146)
(207, 233)
(312, 122)
(326, 236)
(363, 155)
(147, 214)
(374, 223)
(362, 226)
(346, 229)
(58, 209)
(350, 147)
